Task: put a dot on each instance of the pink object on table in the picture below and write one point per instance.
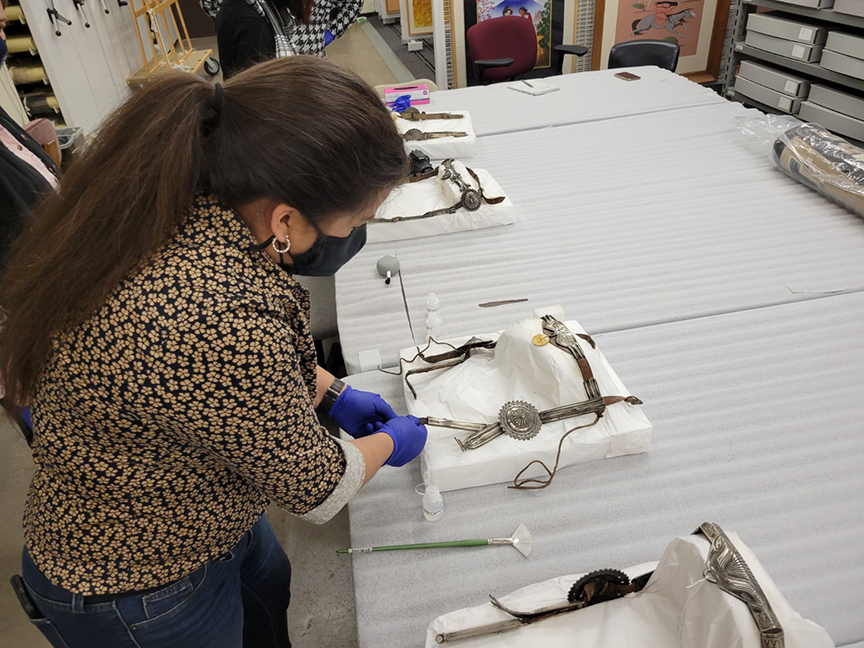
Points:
(419, 94)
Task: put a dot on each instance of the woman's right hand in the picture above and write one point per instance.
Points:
(409, 438)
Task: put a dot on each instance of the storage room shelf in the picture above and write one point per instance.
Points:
(810, 69)
(752, 103)
(820, 14)
(740, 98)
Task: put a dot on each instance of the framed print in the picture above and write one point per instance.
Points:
(697, 26)
(416, 18)
(547, 17)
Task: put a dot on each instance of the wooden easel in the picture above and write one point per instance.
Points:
(166, 54)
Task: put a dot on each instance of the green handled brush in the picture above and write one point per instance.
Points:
(521, 541)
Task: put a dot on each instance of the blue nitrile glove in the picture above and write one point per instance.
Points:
(25, 414)
(357, 411)
(328, 37)
(408, 436)
(402, 103)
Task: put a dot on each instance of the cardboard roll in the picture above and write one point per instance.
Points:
(14, 12)
(21, 45)
(40, 104)
(22, 74)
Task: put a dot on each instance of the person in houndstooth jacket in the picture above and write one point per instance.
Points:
(250, 31)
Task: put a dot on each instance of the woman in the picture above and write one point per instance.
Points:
(27, 172)
(250, 31)
(153, 323)
(27, 175)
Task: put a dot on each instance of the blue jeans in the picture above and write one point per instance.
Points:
(239, 599)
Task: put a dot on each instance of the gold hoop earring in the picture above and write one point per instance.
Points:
(279, 250)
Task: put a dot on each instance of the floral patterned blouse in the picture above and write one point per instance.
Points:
(166, 422)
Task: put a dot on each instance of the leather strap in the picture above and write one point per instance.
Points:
(540, 483)
(423, 176)
(491, 201)
(448, 359)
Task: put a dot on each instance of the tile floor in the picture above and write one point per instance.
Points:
(322, 609)
(355, 52)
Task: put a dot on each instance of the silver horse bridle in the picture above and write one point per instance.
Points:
(470, 199)
(521, 420)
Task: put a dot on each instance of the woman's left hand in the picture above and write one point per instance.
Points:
(357, 412)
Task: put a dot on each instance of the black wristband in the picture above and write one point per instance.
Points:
(331, 395)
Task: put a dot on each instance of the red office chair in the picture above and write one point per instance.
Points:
(502, 48)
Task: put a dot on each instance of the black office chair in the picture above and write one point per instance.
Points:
(663, 54)
(563, 50)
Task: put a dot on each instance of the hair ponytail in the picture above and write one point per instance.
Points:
(300, 130)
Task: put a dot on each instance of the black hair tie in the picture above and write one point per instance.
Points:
(211, 115)
(217, 99)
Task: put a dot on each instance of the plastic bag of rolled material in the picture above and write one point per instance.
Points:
(813, 156)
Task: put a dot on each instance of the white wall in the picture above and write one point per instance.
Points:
(87, 67)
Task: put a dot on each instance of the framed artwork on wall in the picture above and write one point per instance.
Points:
(416, 18)
(697, 26)
(547, 16)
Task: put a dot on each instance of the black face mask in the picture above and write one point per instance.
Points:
(325, 257)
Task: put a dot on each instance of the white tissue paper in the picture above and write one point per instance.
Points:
(516, 369)
(452, 192)
(445, 147)
(416, 198)
(678, 608)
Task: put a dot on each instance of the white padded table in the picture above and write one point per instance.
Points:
(757, 426)
(583, 97)
(627, 222)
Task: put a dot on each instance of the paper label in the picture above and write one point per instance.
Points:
(791, 87)
(798, 51)
(739, 46)
(785, 103)
(805, 34)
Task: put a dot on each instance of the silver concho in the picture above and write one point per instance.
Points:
(519, 420)
(563, 335)
(565, 338)
(471, 199)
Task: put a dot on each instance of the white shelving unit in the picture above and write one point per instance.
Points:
(86, 67)
(740, 51)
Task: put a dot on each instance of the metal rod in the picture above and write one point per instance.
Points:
(571, 411)
(492, 628)
(453, 425)
(79, 6)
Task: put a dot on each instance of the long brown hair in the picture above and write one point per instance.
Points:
(300, 131)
